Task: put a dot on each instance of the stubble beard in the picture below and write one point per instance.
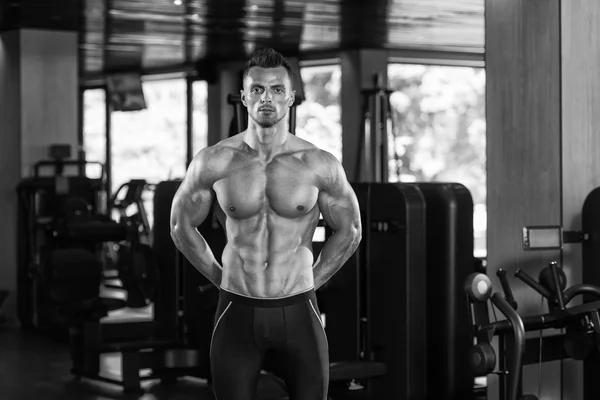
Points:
(265, 121)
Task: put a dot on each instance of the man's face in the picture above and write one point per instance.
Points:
(267, 95)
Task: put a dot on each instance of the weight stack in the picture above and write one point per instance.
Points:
(375, 305)
(449, 261)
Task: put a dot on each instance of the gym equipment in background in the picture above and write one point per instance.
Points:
(133, 196)
(186, 304)
(450, 243)
(554, 237)
(162, 347)
(581, 323)
(58, 213)
(130, 265)
(376, 126)
(61, 235)
(424, 279)
(375, 305)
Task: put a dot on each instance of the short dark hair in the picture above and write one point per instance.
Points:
(267, 58)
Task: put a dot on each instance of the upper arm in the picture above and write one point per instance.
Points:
(194, 197)
(337, 201)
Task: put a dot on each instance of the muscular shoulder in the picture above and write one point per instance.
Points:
(326, 166)
(211, 161)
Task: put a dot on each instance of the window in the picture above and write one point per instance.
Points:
(200, 116)
(318, 118)
(94, 128)
(151, 144)
(439, 131)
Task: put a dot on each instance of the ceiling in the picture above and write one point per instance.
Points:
(118, 35)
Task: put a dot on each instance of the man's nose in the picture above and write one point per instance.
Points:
(266, 97)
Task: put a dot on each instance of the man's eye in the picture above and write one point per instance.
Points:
(278, 91)
(256, 90)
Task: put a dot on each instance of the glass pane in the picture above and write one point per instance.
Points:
(439, 131)
(94, 128)
(318, 118)
(200, 116)
(151, 144)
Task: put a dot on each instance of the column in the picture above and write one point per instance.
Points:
(39, 78)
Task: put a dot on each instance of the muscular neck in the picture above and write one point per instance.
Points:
(267, 141)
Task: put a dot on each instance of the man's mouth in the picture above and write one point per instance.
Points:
(266, 109)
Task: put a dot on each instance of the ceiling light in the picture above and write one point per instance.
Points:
(177, 2)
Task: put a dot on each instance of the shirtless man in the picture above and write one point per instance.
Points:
(271, 187)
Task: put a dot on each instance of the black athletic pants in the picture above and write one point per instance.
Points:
(246, 328)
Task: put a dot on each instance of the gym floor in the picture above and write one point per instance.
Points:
(36, 367)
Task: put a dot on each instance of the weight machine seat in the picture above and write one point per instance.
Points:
(349, 370)
(89, 310)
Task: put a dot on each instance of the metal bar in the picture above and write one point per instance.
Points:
(518, 344)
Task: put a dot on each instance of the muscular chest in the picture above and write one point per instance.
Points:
(287, 187)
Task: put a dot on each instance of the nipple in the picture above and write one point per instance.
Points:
(300, 208)
(231, 208)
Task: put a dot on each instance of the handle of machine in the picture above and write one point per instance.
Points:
(522, 275)
(556, 284)
(519, 343)
(501, 274)
(581, 289)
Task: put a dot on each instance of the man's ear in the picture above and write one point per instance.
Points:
(243, 98)
(292, 98)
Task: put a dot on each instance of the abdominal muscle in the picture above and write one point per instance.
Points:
(268, 257)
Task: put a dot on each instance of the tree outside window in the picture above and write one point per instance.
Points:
(440, 131)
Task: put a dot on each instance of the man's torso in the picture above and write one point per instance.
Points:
(271, 211)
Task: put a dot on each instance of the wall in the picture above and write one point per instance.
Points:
(523, 150)
(49, 92)
(543, 84)
(580, 86)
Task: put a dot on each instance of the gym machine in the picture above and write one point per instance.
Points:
(59, 228)
(417, 246)
(133, 196)
(187, 303)
(63, 227)
(449, 243)
(448, 232)
(374, 305)
(376, 126)
(581, 323)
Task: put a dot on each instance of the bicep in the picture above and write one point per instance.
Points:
(338, 204)
(192, 201)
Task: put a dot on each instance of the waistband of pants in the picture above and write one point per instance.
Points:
(268, 302)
